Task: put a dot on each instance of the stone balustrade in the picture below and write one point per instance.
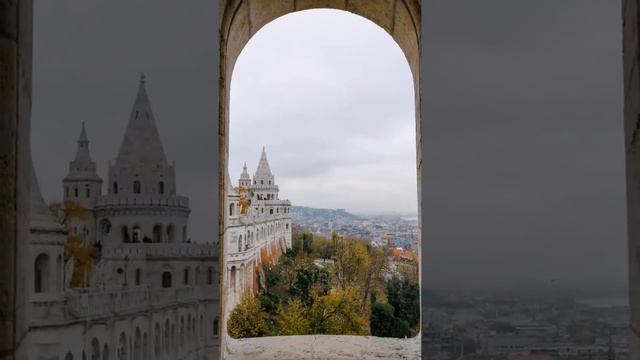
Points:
(136, 201)
(93, 304)
(145, 250)
(242, 255)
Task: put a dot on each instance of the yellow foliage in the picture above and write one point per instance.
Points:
(247, 319)
(293, 319)
(338, 313)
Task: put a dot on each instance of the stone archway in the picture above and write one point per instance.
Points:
(239, 21)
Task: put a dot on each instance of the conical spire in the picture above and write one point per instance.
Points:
(82, 166)
(82, 152)
(263, 172)
(245, 173)
(141, 141)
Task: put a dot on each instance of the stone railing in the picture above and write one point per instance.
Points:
(126, 301)
(115, 200)
(322, 347)
(47, 310)
(242, 255)
(257, 219)
(143, 250)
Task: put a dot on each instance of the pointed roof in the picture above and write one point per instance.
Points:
(263, 171)
(245, 173)
(40, 216)
(82, 167)
(141, 142)
(82, 152)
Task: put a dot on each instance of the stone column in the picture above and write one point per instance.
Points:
(15, 105)
(631, 39)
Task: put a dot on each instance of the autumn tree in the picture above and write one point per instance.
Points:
(247, 318)
(293, 319)
(337, 313)
(351, 261)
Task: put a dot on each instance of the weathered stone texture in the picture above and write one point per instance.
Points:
(263, 11)
(632, 138)
(323, 347)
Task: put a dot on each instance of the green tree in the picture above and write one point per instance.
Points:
(247, 319)
(310, 279)
(405, 299)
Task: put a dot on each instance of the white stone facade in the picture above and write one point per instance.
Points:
(259, 230)
(152, 293)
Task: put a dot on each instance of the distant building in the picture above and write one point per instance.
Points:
(258, 228)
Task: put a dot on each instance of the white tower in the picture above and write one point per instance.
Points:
(245, 179)
(82, 187)
(142, 205)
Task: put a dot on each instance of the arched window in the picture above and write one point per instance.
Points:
(231, 208)
(138, 276)
(233, 278)
(115, 187)
(184, 233)
(41, 274)
(75, 191)
(186, 276)
(197, 275)
(240, 243)
(69, 356)
(137, 350)
(167, 336)
(122, 347)
(87, 191)
(181, 332)
(136, 187)
(210, 276)
(157, 233)
(105, 352)
(156, 340)
(170, 233)
(95, 349)
(166, 279)
(216, 325)
(271, 211)
(161, 187)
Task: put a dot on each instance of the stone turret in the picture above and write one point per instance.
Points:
(142, 205)
(264, 186)
(141, 167)
(82, 187)
(245, 179)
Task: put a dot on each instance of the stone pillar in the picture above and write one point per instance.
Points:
(631, 39)
(15, 105)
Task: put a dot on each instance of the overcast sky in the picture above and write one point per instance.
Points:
(333, 106)
(524, 171)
